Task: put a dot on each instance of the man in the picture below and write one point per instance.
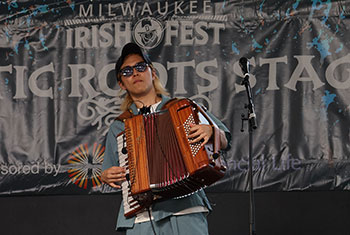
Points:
(137, 76)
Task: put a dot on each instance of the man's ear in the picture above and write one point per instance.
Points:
(121, 85)
(154, 74)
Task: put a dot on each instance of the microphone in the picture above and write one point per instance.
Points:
(244, 64)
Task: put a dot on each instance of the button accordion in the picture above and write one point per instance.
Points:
(159, 160)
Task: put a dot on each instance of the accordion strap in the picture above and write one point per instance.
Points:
(169, 103)
(125, 115)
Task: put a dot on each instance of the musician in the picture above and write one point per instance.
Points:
(137, 76)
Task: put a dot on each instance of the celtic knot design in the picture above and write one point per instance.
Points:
(101, 111)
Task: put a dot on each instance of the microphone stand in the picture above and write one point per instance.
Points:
(251, 118)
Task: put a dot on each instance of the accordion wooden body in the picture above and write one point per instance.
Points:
(161, 161)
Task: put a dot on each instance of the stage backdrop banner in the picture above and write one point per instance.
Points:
(58, 92)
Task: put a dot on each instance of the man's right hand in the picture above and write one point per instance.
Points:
(114, 176)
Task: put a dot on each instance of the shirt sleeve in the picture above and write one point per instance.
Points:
(111, 152)
(222, 127)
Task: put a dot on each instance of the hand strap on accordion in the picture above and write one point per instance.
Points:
(216, 131)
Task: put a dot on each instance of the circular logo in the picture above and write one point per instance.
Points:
(85, 166)
(148, 32)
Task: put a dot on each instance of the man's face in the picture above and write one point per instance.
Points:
(138, 84)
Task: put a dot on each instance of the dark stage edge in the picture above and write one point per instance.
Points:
(280, 213)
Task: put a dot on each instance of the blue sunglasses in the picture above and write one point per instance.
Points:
(129, 70)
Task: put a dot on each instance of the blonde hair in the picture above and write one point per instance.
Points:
(158, 87)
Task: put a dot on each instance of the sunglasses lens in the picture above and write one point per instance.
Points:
(127, 71)
(141, 67)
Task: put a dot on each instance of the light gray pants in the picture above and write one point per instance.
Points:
(190, 224)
